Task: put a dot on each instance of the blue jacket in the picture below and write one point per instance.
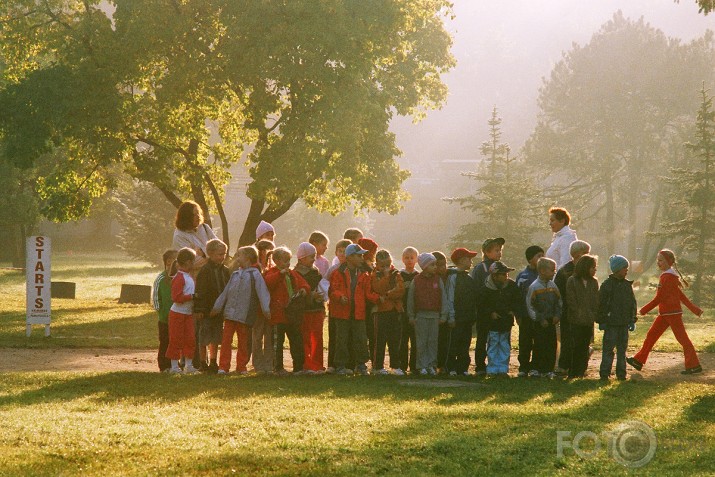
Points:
(523, 280)
(617, 302)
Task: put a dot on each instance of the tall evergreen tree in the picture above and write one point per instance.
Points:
(503, 202)
(695, 186)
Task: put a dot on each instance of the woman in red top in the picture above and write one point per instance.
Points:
(670, 314)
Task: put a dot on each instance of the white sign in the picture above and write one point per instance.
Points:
(38, 283)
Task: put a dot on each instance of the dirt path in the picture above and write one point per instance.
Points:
(661, 366)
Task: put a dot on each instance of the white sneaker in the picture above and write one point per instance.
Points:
(190, 370)
(453, 373)
(432, 371)
(398, 372)
(466, 373)
(534, 373)
(221, 372)
(551, 375)
(330, 370)
(423, 372)
(381, 372)
(175, 371)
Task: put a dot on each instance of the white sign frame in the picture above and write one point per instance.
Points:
(39, 282)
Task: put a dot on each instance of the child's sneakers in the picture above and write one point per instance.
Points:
(550, 375)
(423, 372)
(637, 364)
(398, 372)
(697, 369)
(189, 369)
(534, 373)
(381, 371)
(521, 374)
(361, 369)
(432, 371)
(453, 373)
(221, 372)
(175, 371)
(344, 372)
(330, 370)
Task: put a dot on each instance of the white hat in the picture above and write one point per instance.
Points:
(305, 249)
(425, 260)
(263, 228)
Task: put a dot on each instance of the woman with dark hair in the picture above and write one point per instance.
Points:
(192, 232)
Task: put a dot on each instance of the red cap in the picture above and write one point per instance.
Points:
(458, 253)
(368, 244)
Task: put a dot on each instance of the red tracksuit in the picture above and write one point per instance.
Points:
(182, 339)
(670, 314)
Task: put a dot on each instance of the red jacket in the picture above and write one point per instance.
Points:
(340, 287)
(392, 290)
(275, 281)
(669, 296)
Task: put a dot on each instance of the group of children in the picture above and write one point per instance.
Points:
(425, 319)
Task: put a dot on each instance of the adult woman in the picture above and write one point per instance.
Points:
(559, 220)
(192, 232)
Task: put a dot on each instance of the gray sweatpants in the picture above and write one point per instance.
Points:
(427, 334)
(262, 345)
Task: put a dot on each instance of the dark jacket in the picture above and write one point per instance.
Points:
(523, 280)
(617, 302)
(582, 300)
(461, 295)
(210, 282)
(561, 278)
(503, 301)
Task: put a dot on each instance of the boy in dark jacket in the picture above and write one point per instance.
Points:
(462, 306)
(210, 282)
(498, 303)
(616, 316)
(491, 252)
(526, 325)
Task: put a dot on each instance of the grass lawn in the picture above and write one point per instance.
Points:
(152, 424)
(131, 423)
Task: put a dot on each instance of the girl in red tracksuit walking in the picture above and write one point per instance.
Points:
(670, 314)
(182, 341)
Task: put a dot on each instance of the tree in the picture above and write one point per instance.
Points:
(177, 92)
(504, 202)
(693, 199)
(607, 109)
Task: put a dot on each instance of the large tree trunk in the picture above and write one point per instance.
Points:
(610, 218)
(221, 211)
(633, 197)
(248, 236)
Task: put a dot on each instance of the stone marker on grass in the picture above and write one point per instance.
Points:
(135, 294)
(62, 290)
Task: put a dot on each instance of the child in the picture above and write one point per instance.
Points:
(388, 285)
(408, 356)
(670, 314)
(577, 249)
(352, 235)
(526, 325)
(265, 231)
(444, 335)
(314, 314)
(349, 293)
(582, 304)
(210, 282)
(340, 257)
(265, 250)
(616, 315)
(320, 241)
(491, 252)
(182, 340)
(543, 302)
(369, 264)
(498, 303)
(161, 299)
(242, 302)
(284, 284)
(426, 309)
(462, 306)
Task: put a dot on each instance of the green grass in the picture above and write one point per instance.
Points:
(151, 424)
(94, 319)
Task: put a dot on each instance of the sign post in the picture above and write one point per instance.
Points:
(38, 283)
